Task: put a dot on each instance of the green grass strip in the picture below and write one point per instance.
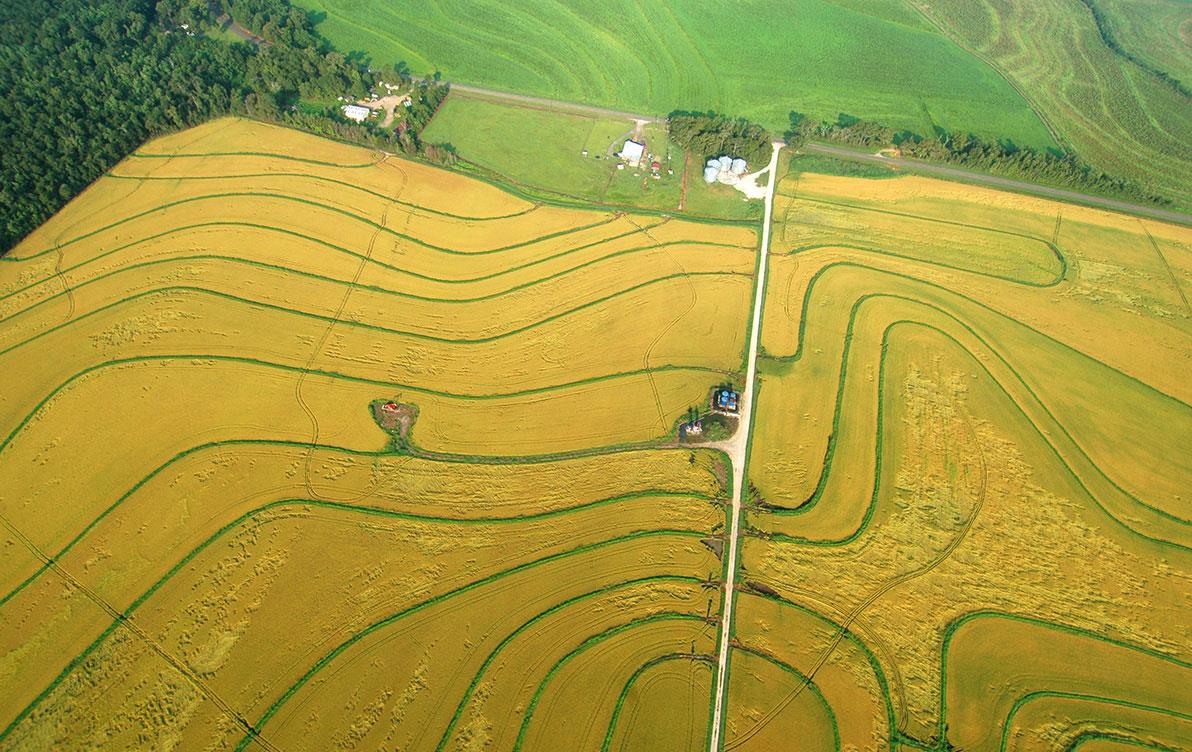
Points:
(376, 226)
(332, 374)
(359, 257)
(381, 624)
(950, 632)
(837, 410)
(611, 500)
(1046, 284)
(478, 676)
(313, 177)
(804, 681)
(583, 646)
(128, 612)
(271, 155)
(1092, 736)
(1030, 697)
(878, 441)
(632, 680)
(350, 323)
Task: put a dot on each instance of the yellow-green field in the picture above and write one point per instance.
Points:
(211, 542)
(966, 516)
(968, 521)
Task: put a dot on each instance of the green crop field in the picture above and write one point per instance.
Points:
(1114, 113)
(877, 60)
(1157, 31)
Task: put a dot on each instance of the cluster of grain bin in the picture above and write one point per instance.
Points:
(725, 169)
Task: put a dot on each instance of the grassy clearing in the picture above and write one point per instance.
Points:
(956, 416)
(542, 152)
(761, 63)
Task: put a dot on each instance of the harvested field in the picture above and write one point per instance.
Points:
(969, 469)
(216, 533)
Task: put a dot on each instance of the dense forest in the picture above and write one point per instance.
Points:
(966, 150)
(87, 81)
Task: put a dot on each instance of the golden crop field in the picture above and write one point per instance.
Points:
(968, 523)
(213, 539)
(309, 447)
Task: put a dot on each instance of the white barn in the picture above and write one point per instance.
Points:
(356, 112)
(632, 152)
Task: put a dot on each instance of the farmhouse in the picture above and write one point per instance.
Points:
(355, 112)
(632, 152)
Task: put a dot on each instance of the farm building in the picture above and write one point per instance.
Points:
(355, 112)
(725, 169)
(726, 400)
(632, 152)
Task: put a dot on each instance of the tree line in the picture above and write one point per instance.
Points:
(711, 135)
(1053, 167)
(87, 81)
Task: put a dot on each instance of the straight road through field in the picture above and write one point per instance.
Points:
(737, 449)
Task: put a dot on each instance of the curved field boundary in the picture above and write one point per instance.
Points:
(392, 618)
(376, 226)
(607, 501)
(1059, 277)
(827, 465)
(203, 291)
(365, 325)
(846, 634)
(343, 183)
(127, 613)
(358, 256)
(477, 678)
(271, 155)
(632, 680)
(583, 646)
(805, 682)
(950, 632)
(1026, 699)
(329, 374)
(69, 291)
(1051, 246)
(798, 354)
(1094, 736)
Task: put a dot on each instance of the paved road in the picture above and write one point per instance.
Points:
(737, 450)
(967, 176)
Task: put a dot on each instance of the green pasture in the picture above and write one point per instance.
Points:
(877, 60)
(541, 151)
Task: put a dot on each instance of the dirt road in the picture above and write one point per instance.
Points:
(951, 173)
(736, 449)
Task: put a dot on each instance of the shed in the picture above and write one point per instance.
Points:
(355, 112)
(632, 151)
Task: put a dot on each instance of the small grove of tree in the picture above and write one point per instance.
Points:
(967, 150)
(711, 135)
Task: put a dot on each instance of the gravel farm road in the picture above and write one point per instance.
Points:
(928, 168)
